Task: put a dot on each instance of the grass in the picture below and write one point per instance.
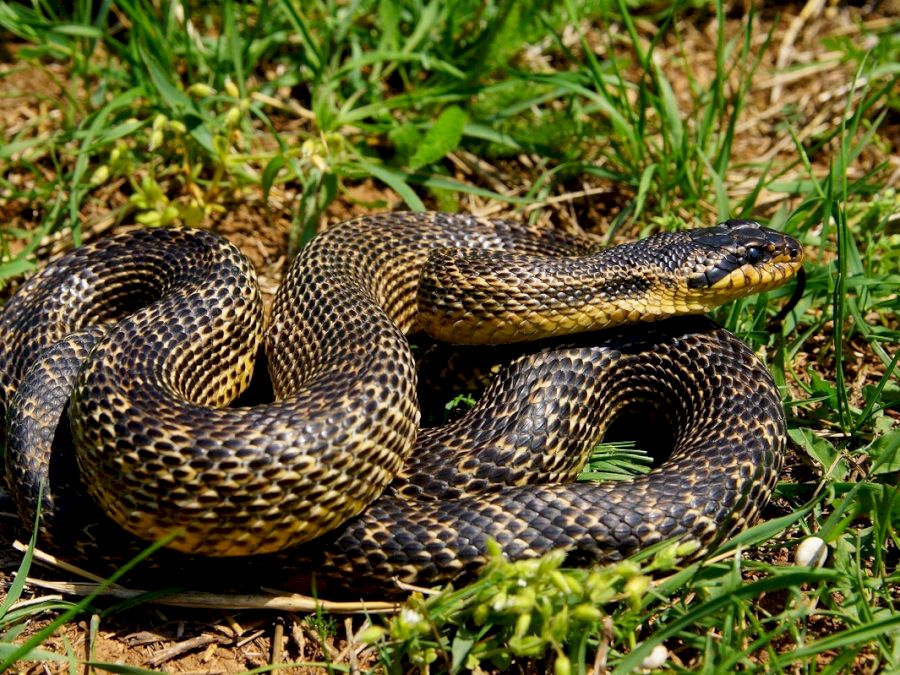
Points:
(618, 116)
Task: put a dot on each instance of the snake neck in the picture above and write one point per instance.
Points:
(488, 297)
(498, 298)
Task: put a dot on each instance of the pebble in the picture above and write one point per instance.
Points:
(656, 658)
(811, 552)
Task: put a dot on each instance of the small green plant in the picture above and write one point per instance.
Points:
(529, 608)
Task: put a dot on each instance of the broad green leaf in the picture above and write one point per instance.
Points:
(885, 453)
(820, 450)
(442, 138)
(396, 180)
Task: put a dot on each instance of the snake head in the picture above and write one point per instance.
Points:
(737, 257)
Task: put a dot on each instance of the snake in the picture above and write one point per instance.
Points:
(120, 363)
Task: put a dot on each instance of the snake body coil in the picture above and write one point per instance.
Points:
(154, 332)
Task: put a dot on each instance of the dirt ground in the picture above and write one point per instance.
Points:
(798, 72)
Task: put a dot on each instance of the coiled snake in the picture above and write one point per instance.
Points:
(151, 334)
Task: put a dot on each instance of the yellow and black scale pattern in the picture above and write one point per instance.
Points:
(154, 332)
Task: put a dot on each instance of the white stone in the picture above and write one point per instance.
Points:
(811, 552)
(656, 658)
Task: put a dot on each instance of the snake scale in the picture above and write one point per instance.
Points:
(144, 339)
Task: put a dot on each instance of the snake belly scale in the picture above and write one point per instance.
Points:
(166, 324)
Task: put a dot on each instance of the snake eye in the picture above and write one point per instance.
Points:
(753, 255)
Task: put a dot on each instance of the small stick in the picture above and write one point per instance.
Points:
(298, 636)
(180, 648)
(250, 638)
(277, 639)
(284, 603)
(53, 561)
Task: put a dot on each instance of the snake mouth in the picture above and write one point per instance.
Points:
(755, 278)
